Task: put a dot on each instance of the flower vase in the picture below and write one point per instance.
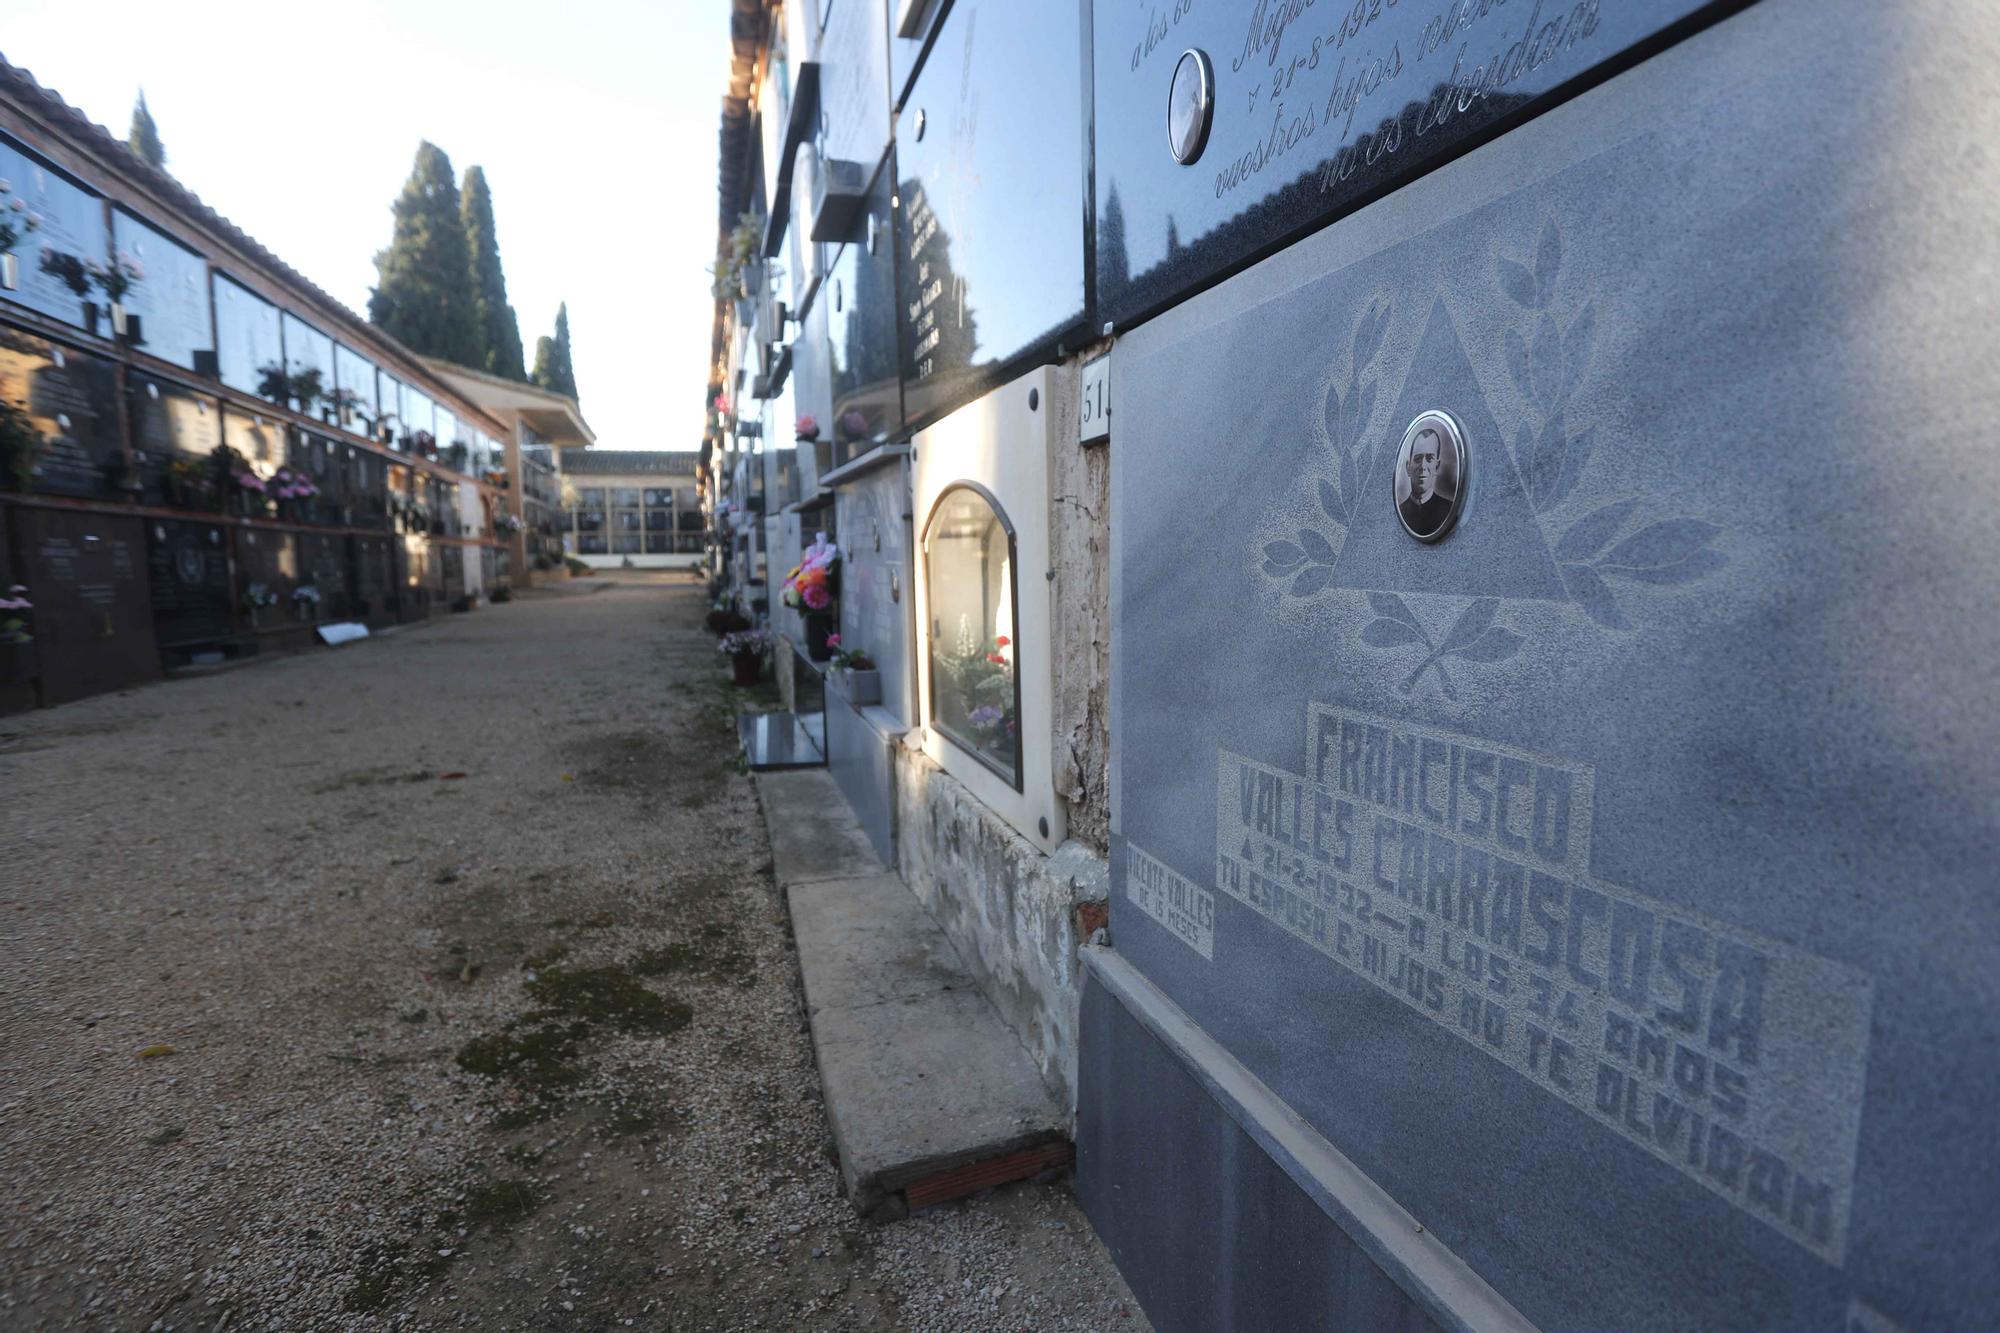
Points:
(90, 318)
(861, 686)
(118, 319)
(748, 667)
(819, 624)
(10, 271)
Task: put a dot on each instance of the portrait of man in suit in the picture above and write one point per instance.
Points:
(1430, 477)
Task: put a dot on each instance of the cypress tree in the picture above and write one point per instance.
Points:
(425, 296)
(553, 370)
(144, 137)
(499, 332)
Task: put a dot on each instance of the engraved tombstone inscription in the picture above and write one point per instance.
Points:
(1585, 869)
(71, 401)
(1316, 109)
(189, 565)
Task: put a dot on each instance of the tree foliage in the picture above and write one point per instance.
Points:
(424, 296)
(553, 368)
(499, 331)
(144, 137)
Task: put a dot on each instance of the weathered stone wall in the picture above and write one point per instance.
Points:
(1015, 915)
(1080, 558)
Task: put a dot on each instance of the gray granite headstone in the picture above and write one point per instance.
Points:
(1612, 881)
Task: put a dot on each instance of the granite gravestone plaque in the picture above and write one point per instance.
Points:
(1611, 880)
(372, 575)
(91, 628)
(172, 425)
(268, 559)
(854, 111)
(860, 299)
(189, 565)
(323, 563)
(990, 156)
(316, 458)
(1316, 109)
(72, 400)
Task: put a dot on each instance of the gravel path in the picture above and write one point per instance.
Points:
(437, 982)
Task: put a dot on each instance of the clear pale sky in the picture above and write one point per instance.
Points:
(595, 121)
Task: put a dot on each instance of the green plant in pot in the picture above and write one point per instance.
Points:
(115, 279)
(21, 445)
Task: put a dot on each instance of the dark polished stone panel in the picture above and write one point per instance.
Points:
(189, 563)
(248, 340)
(71, 399)
(354, 379)
(372, 576)
(906, 54)
(1611, 881)
(323, 563)
(1164, 1173)
(860, 300)
(171, 301)
(172, 425)
(316, 457)
(308, 351)
(853, 92)
(87, 577)
(1317, 107)
(71, 224)
(990, 232)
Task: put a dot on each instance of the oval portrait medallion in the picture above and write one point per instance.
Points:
(1432, 472)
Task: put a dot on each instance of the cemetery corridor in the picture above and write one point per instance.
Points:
(439, 981)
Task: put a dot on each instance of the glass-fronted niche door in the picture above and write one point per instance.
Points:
(969, 572)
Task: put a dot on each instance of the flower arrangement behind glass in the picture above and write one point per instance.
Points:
(984, 675)
(66, 269)
(16, 219)
(15, 624)
(120, 276)
(814, 582)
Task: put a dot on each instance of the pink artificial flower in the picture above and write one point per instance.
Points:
(817, 598)
(833, 640)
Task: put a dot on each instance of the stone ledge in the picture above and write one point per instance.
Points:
(922, 1079)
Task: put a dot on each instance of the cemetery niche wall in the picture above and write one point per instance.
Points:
(1607, 887)
(168, 450)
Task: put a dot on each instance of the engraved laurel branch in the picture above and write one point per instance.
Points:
(1546, 365)
(1308, 562)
